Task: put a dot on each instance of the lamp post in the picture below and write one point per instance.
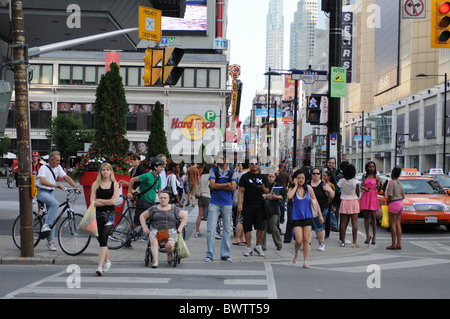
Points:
(270, 73)
(362, 138)
(444, 126)
(396, 145)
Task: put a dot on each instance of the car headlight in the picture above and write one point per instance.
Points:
(447, 207)
(409, 208)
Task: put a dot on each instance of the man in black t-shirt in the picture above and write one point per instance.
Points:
(252, 186)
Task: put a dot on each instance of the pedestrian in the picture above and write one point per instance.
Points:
(174, 184)
(302, 218)
(323, 192)
(395, 195)
(163, 174)
(330, 220)
(274, 196)
(283, 179)
(349, 208)
(136, 170)
(370, 186)
(104, 194)
(35, 164)
(222, 181)
(193, 179)
(150, 184)
(239, 238)
(46, 182)
(204, 195)
(252, 186)
(15, 167)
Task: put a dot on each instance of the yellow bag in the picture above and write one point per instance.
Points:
(88, 224)
(183, 251)
(385, 219)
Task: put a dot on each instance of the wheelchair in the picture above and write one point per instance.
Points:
(175, 255)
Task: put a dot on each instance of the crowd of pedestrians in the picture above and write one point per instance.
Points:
(239, 201)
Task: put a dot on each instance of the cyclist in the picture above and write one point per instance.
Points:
(46, 182)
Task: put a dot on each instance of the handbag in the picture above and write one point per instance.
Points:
(385, 218)
(88, 224)
(315, 208)
(162, 236)
(119, 201)
(183, 251)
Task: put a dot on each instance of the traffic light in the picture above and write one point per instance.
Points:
(313, 109)
(440, 24)
(161, 66)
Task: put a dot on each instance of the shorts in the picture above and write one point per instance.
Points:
(317, 225)
(193, 188)
(203, 201)
(173, 234)
(396, 207)
(302, 222)
(253, 217)
(349, 206)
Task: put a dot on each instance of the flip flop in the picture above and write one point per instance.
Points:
(391, 248)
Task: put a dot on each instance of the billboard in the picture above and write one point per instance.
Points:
(194, 22)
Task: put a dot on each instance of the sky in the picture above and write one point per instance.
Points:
(247, 35)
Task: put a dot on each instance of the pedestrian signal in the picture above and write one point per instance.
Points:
(313, 109)
(440, 24)
(161, 66)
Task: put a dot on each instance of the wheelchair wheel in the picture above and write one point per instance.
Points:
(175, 256)
(148, 256)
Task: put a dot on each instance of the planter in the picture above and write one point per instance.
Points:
(88, 178)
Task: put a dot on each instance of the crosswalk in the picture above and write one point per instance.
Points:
(141, 282)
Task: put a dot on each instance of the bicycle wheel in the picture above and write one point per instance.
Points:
(10, 181)
(37, 225)
(71, 241)
(119, 234)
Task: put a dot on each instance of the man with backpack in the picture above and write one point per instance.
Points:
(222, 181)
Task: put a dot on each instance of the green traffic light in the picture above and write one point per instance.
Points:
(444, 36)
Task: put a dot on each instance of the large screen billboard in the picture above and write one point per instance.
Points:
(194, 21)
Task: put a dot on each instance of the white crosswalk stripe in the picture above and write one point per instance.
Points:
(141, 282)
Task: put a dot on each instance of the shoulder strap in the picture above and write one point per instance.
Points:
(51, 172)
(145, 191)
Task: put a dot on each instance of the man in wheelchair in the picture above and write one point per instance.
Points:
(163, 226)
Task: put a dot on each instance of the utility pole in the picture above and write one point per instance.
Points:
(22, 110)
(335, 44)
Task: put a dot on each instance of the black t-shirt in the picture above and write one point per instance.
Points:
(251, 182)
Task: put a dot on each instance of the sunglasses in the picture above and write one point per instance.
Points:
(316, 173)
(253, 163)
(135, 159)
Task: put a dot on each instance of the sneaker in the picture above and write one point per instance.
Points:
(106, 266)
(45, 228)
(321, 247)
(197, 235)
(227, 259)
(217, 236)
(51, 246)
(248, 252)
(99, 271)
(208, 260)
(259, 251)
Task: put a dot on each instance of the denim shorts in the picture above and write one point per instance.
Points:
(317, 226)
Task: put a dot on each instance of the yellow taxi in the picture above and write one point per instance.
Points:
(426, 202)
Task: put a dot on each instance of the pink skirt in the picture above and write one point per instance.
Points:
(396, 207)
(349, 206)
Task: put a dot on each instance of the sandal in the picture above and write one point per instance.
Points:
(294, 260)
(355, 245)
(391, 248)
(305, 265)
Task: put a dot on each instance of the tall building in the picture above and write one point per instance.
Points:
(302, 34)
(275, 42)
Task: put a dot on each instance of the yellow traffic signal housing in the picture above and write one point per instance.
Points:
(440, 24)
(161, 66)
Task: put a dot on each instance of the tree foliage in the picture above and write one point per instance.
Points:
(111, 109)
(157, 140)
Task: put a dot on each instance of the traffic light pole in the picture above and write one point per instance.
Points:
(335, 44)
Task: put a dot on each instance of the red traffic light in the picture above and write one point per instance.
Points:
(445, 8)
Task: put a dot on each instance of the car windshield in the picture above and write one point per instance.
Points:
(444, 181)
(421, 186)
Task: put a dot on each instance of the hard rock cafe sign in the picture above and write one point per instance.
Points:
(193, 126)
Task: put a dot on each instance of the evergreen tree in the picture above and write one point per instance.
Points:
(111, 109)
(157, 140)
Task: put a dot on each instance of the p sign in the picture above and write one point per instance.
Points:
(210, 116)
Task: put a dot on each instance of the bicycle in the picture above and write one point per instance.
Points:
(71, 241)
(10, 178)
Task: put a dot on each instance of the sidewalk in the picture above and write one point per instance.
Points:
(10, 255)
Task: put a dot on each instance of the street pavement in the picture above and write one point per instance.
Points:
(10, 254)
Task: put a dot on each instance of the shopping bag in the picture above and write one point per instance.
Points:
(183, 251)
(88, 224)
(385, 218)
(119, 201)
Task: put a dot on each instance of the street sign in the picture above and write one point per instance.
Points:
(414, 9)
(149, 24)
(338, 82)
(309, 76)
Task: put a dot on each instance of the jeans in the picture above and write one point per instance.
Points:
(52, 208)
(213, 215)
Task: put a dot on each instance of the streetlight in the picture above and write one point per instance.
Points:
(270, 73)
(396, 145)
(444, 126)
(362, 138)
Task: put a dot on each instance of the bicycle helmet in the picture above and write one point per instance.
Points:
(154, 162)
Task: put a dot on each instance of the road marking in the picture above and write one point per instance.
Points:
(433, 246)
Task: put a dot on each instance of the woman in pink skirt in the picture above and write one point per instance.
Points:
(370, 185)
(395, 195)
(349, 208)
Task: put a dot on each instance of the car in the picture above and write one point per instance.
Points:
(444, 180)
(426, 201)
